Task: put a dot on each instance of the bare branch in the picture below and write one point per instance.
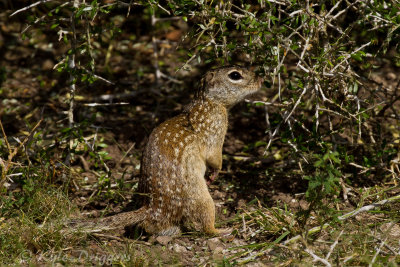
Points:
(30, 6)
(317, 258)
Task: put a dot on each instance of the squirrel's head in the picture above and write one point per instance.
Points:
(229, 85)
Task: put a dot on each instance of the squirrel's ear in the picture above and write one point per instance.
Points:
(206, 79)
(209, 76)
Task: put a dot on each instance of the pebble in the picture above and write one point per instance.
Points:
(214, 243)
(178, 248)
(391, 76)
(163, 240)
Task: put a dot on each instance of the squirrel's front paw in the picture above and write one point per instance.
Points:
(213, 176)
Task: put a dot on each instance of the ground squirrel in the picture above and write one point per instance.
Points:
(177, 153)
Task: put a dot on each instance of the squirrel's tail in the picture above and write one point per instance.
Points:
(117, 221)
(124, 219)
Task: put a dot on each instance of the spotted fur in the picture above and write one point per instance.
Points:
(177, 153)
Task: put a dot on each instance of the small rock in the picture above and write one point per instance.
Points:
(219, 195)
(218, 250)
(391, 229)
(214, 243)
(304, 204)
(48, 64)
(178, 248)
(89, 177)
(238, 242)
(217, 254)
(163, 240)
(391, 76)
(174, 35)
(378, 79)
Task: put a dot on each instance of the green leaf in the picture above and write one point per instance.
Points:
(318, 163)
(79, 12)
(260, 143)
(358, 55)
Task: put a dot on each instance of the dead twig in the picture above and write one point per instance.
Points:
(30, 6)
(334, 245)
(12, 153)
(377, 252)
(317, 258)
(345, 217)
(72, 66)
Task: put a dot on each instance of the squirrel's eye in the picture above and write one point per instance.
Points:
(234, 75)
